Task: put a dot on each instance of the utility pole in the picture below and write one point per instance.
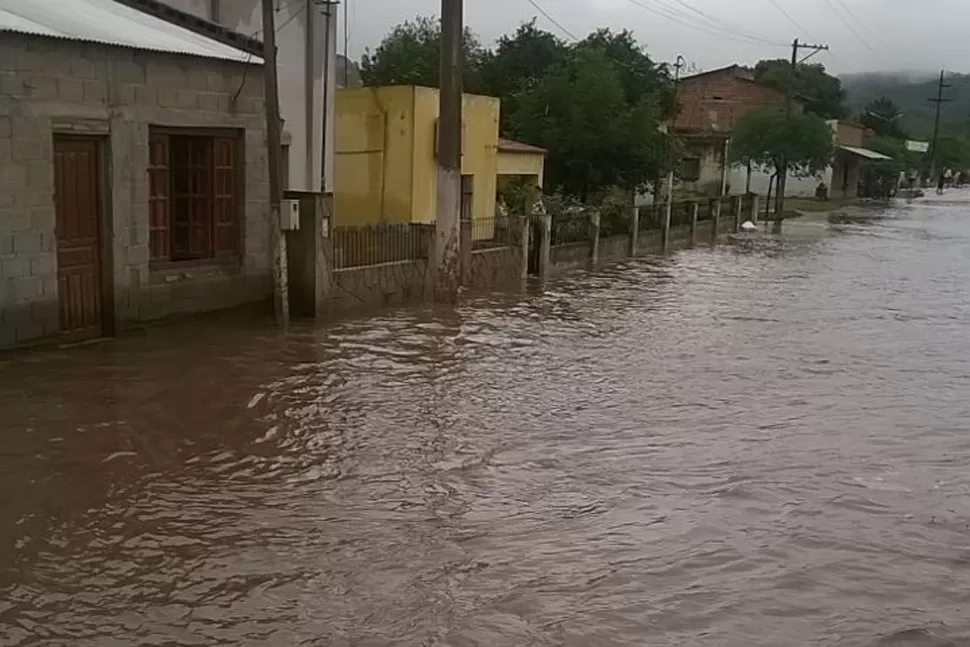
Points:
(346, 41)
(789, 113)
(939, 101)
(447, 225)
(678, 64)
(281, 298)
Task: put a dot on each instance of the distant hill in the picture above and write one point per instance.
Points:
(911, 93)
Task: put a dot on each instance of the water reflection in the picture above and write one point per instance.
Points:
(760, 443)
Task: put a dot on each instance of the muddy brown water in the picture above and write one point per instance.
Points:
(764, 443)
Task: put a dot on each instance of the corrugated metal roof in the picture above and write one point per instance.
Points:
(111, 23)
(864, 152)
(512, 146)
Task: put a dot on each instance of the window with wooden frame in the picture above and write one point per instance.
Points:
(194, 196)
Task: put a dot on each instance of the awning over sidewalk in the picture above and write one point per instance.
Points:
(864, 153)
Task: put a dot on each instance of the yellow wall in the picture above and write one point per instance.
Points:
(516, 163)
(480, 117)
(373, 146)
(386, 167)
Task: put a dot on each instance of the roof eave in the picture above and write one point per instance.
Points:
(198, 25)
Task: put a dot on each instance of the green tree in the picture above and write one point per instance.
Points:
(823, 92)
(410, 55)
(953, 152)
(518, 63)
(765, 136)
(596, 137)
(883, 174)
(883, 116)
(642, 79)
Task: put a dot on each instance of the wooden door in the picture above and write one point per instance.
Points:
(77, 201)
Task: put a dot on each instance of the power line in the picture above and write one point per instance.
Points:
(670, 14)
(718, 23)
(787, 15)
(845, 8)
(849, 26)
(552, 20)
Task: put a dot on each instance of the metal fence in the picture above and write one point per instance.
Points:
(375, 244)
(571, 227)
(651, 216)
(490, 233)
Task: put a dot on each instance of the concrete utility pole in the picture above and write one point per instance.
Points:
(447, 229)
(282, 299)
(939, 101)
(789, 113)
(678, 64)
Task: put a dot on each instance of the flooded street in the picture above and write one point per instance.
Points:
(763, 443)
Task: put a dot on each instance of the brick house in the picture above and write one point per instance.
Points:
(711, 103)
(133, 170)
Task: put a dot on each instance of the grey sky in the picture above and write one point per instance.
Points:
(893, 34)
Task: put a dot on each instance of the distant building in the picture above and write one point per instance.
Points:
(348, 74)
(712, 103)
(386, 155)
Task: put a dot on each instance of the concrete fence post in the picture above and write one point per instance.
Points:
(736, 208)
(753, 215)
(465, 252)
(694, 209)
(665, 229)
(715, 217)
(634, 230)
(594, 236)
(545, 221)
(525, 225)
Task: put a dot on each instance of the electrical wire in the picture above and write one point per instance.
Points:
(668, 12)
(717, 23)
(553, 20)
(787, 15)
(848, 12)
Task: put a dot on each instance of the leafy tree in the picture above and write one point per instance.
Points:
(953, 152)
(882, 175)
(764, 136)
(580, 112)
(518, 63)
(823, 92)
(883, 116)
(640, 76)
(410, 55)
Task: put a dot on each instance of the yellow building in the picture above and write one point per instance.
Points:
(386, 167)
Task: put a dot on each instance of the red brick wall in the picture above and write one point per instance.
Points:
(723, 98)
(850, 134)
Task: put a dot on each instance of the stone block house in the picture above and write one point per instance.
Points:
(133, 170)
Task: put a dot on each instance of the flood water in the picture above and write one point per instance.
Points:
(763, 443)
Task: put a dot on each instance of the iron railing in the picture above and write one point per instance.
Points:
(376, 244)
(571, 227)
(490, 233)
(651, 216)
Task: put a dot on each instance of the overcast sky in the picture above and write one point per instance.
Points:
(881, 35)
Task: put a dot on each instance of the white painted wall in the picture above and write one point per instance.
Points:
(797, 187)
(307, 109)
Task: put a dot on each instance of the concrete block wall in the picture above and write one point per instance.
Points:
(377, 286)
(491, 268)
(54, 86)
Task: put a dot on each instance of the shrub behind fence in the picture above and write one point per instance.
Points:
(571, 227)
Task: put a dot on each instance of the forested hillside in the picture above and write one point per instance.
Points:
(911, 95)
